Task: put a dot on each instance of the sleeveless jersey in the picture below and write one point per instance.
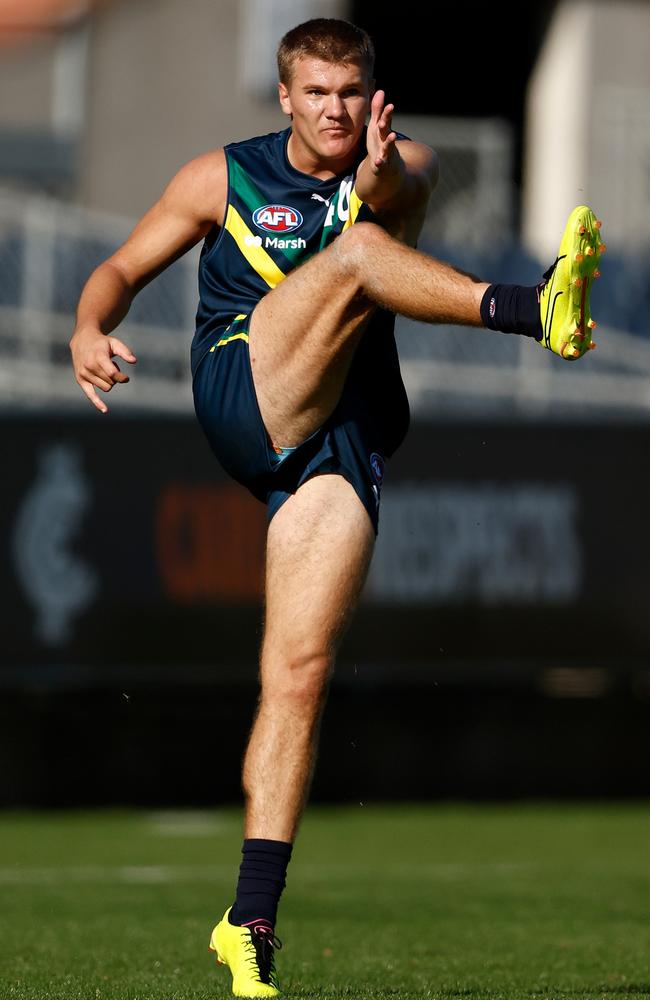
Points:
(276, 219)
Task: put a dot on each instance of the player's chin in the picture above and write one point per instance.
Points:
(336, 144)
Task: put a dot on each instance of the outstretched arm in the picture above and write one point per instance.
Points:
(191, 204)
(396, 177)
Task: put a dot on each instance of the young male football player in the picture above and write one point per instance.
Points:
(308, 252)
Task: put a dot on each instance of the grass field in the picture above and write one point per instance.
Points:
(449, 901)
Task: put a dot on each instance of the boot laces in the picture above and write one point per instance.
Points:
(261, 948)
(546, 277)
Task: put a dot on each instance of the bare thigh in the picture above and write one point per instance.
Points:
(302, 336)
(319, 548)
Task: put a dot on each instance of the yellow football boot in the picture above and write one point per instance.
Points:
(564, 292)
(249, 953)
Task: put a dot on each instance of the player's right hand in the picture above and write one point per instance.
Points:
(380, 137)
(94, 368)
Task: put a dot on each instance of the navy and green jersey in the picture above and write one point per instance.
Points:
(276, 219)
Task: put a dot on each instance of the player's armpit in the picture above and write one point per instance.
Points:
(191, 204)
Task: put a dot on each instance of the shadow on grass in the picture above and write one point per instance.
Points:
(623, 989)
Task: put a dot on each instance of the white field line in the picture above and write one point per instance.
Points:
(163, 874)
(189, 824)
(121, 874)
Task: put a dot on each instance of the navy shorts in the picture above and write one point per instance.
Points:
(354, 441)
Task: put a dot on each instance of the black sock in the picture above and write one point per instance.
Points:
(512, 309)
(262, 877)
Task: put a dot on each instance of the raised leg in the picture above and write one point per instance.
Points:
(304, 332)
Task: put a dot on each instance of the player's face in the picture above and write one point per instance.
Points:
(329, 103)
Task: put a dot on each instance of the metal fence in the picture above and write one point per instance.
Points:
(47, 251)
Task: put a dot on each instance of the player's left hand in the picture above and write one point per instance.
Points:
(380, 138)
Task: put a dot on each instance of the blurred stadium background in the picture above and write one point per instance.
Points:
(501, 649)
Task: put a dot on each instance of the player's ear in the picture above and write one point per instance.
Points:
(285, 100)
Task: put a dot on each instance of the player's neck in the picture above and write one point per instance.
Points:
(308, 161)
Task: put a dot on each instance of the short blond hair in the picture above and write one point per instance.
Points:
(329, 39)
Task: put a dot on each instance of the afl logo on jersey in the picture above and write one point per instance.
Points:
(277, 218)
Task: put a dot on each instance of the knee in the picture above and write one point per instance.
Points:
(359, 243)
(299, 676)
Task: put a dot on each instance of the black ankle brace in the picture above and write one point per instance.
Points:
(512, 309)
